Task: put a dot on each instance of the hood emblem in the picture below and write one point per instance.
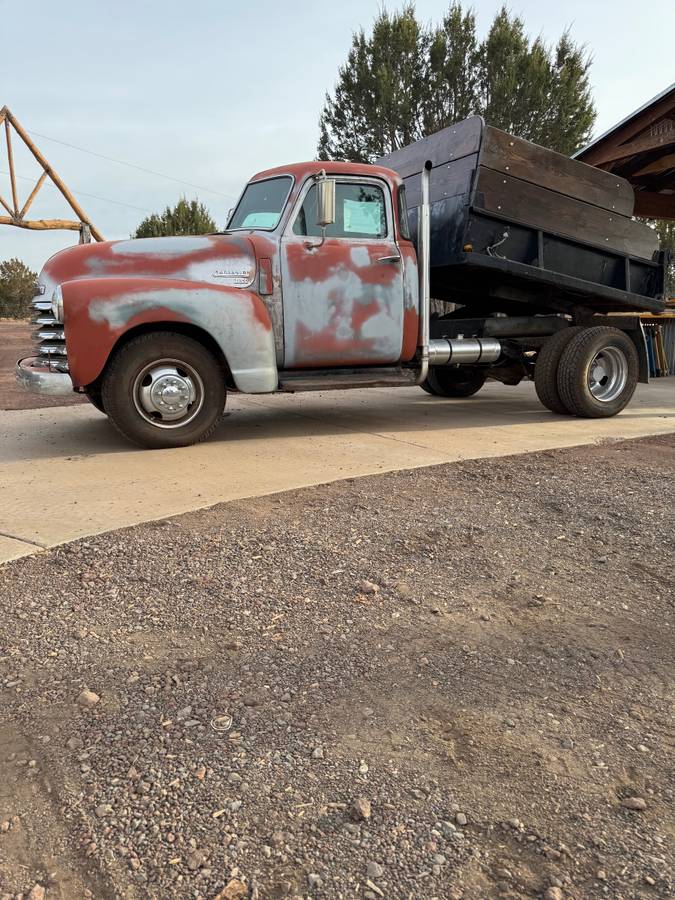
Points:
(231, 273)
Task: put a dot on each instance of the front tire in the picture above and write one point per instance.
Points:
(462, 382)
(598, 372)
(94, 397)
(164, 390)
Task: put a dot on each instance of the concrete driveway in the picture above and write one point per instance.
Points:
(65, 473)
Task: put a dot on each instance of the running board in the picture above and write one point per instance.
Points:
(339, 379)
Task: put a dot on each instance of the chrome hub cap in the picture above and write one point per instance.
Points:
(608, 374)
(168, 393)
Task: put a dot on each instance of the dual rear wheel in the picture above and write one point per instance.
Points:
(587, 372)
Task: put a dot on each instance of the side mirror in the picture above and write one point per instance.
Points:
(325, 201)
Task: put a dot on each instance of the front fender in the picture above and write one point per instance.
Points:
(99, 311)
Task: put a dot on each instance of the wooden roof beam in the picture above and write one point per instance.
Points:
(641, 145)
(654, 206)
(629, 129)
(662, 164)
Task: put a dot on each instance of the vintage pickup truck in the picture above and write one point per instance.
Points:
(324, 279)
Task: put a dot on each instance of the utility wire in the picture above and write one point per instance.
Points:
(82, 194)
(132, 166)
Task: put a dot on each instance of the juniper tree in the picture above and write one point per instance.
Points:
(186, 217)
(17, 288)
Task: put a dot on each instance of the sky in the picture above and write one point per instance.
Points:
(211, 92)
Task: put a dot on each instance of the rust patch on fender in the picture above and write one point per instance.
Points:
(99, 311)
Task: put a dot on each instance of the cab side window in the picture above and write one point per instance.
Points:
(360, 212)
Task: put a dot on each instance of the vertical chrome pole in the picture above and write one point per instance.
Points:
(423, 258)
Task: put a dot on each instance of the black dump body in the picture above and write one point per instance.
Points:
(519, 229)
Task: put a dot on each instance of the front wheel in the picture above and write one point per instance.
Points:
(598, 372)
(462, 382)
(164, 390)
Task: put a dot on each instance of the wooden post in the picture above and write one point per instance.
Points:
(41, 224)
(10, 159)
(4, 203)
(33, 194)
(75, 206)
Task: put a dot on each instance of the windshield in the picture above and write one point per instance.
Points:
(261, 204)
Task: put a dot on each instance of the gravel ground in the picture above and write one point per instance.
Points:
(448, 683)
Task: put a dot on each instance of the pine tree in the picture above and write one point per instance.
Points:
(376, 107)
(186, 217)
(404, 81)
(452, 70)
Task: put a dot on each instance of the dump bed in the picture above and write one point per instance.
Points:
(516, 227)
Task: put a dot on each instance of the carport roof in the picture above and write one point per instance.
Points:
(641, 149)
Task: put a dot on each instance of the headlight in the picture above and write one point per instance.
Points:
(57, 304)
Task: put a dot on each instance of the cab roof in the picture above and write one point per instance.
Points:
(301, 170)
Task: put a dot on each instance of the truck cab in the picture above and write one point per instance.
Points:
(342, 293)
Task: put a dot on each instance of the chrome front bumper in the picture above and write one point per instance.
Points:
(33, 375)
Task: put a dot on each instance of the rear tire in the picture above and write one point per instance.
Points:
(462, 382)
(164, 390)
(546, 369)
(598, 372)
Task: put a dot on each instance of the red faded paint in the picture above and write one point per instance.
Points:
(264, 245)
(411, 324)
(411, 303)
(109, 258)
(91, 338)
(325, 348)
(302, 170)
(362, 312)
(336, 255)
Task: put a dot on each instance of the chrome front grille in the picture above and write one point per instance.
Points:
(49, 335)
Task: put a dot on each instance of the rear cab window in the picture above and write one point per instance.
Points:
(403, 214)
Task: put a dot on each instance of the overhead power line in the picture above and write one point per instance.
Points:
(129, 165)
(83, 194)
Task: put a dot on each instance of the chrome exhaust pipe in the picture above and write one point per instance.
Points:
(423, 260)
(463, 351)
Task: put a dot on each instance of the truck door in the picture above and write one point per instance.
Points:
(343, 298)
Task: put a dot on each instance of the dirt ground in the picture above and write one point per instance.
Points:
(15, 343)
(453, 682)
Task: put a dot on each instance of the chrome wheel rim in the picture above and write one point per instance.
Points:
(168, 393)
(608, 374)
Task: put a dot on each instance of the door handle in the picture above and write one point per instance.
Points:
(389, 259)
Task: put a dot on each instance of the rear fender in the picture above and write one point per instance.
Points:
(98, 312)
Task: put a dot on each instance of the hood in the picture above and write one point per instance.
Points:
(225, 260)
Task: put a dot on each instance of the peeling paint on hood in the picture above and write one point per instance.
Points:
(221, 259)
